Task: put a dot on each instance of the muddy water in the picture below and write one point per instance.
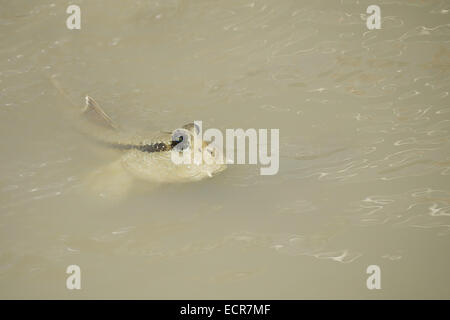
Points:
(364, 149)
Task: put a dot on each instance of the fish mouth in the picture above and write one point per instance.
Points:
(218, 170)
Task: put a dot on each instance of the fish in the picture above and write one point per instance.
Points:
(147, 157)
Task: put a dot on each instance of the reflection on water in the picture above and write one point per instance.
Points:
(364, 139)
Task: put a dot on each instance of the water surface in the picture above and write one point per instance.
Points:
(364, 149)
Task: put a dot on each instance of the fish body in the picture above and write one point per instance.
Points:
(145, 156)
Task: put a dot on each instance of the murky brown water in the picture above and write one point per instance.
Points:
(364, 122)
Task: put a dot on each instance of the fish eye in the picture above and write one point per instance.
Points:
(180, 140)
(197, 129)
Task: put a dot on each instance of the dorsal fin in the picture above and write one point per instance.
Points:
(94, 113)
(92, 110)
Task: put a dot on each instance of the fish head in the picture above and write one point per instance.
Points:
(207, 158)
